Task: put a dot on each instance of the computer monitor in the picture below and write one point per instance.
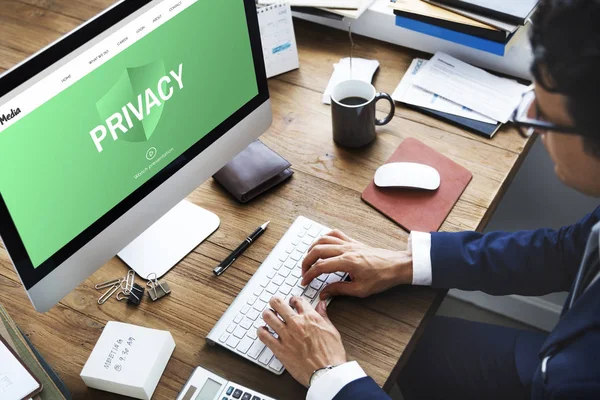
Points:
(109, 128)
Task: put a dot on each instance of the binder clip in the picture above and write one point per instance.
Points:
(133, 295)
(157, 289)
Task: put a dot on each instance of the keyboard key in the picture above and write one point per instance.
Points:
(230, 390)
(302, 233)
(310, 293)
(314, 231)
(284, 256)
(278, 266)
(297, 291)
(255, 349)
(302, 248)
(272, 288)
(296, 241)
(239, 332)
(276, 365)
(296, 255)
(266, 356)
(285, 289)
(265, 282)
(260, 305)
(255, 398)
(307, 224)
(278, 280)
(323, 277)
(246, 396)
(332, 278)
(251, 300)
(307, 240)
(244, 345)
(259, 322)
(266, 297)
(300, 285)
(289, 264)
(316, 284)
(253, 314)
(252, 333)
(257, 292)
(285, 272)
(297, 272)
(289, 249)
(340, 273)
(231, 328)
(238, 318)
(237, 394)
(245, 309)
(271, 274)
(291, 280)
(246, 323)
(224, 337)
(233, 341)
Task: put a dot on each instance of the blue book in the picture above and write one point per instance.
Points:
(452, 36)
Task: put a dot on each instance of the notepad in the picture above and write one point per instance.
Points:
(16, 382)
(278, 39)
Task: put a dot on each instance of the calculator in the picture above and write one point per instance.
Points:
(204, 385)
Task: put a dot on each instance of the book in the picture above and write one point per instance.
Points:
(505, 26)
(450, 35)
(479, 127)
(432, 14)
(53, 387)
(420, 210)
(515, 11)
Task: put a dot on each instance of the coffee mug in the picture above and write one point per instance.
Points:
(353, 112)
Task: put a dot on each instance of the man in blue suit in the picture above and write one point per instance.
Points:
(457, 359)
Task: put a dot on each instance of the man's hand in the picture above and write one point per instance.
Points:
(307, 340)
(371, 270)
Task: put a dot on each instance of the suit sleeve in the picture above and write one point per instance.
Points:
(530, 263)
(362, 389)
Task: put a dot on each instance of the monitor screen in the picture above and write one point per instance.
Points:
(90, 131)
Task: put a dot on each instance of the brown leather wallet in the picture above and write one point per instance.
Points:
(253, 171)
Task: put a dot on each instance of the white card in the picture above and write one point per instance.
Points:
(362, 69)
(278, 39)
(15, 381)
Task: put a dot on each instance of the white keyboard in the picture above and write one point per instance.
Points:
(279, 275)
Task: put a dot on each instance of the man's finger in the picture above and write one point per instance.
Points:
(300, 304)
(330, 265)
(322, 251)
(273, 321)
(322, 310)
(269, 340)
(326, 240)
(341, 235)
(339, 289)
(282, 308)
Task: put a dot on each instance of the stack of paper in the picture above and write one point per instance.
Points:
(343, 8)
(447, 85)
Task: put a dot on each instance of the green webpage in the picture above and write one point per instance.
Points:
(68, 162)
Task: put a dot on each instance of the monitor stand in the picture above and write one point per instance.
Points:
(178, 232)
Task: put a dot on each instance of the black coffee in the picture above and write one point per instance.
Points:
(353, 101)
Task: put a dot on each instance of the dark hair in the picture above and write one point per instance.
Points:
(566, 40)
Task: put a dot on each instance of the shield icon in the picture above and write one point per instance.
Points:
(132, 84)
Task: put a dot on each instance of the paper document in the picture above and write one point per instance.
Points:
(15, 381)
(362, 70)
(470, 86)
(351, 13)
(408, 93)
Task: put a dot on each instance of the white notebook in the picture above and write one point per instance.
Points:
(348, 4)
(278, 39)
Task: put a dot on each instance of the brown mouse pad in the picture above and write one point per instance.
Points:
(416, 209)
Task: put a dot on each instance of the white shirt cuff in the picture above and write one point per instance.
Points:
(327, 386)
(420, 243)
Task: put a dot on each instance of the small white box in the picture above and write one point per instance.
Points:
(128, 360)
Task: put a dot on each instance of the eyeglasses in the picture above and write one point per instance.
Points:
(528, 125)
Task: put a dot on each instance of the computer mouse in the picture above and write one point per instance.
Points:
(407, 175)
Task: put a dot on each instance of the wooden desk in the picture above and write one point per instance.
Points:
(326, 186)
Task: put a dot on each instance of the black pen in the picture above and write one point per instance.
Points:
(226, 263)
